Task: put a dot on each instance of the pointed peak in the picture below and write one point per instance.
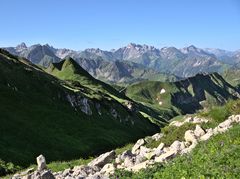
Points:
(192, 47)
(132, 45)
(69, 61)
(47, 45)
(22, 45)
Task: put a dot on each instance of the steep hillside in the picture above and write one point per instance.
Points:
(62, 120)
(186, 96)
(232, 75)
(69, 70)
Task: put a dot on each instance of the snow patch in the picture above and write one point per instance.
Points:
(162, 91)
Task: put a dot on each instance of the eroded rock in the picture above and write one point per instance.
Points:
(198, 132)
(103, 159)
(41, 162)
(189, 136)
(138, 144)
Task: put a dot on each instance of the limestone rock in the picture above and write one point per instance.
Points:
(176, 123)
(47, 175)
(108, 169)
(97, 176)
(41, 162)
(126, 154)
(190, 136)
(235, 118)
(143, 151)
(198, 132)
(85, 107)
(158, 151)
(139, 166)
(129, 161)
(103, 159)
(166, 156)
(226, 124)
(160, 147)
(157, 136)
(138, 144)
(177, 146)
(139, 159)
(190, 148)
(208, 134)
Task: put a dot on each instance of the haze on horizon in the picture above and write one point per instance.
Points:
(110, 24)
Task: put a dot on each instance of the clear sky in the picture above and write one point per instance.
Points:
(107, 24)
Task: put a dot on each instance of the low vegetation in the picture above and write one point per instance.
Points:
(215, 158)
(171, 133)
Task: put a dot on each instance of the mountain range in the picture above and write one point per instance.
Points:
(135, 62)
(65, 113)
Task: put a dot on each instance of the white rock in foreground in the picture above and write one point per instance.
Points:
(138, 144)
(41, 162)
(103, 159)
(189, 136)
(198, 132)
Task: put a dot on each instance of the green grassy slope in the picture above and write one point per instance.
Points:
(36, 117)
(185, 96)
(214, 158)
(232, 75)
(69, 70)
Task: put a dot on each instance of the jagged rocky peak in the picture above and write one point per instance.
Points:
(94, 50)
(141, 47)
(169, 50)
(191, 48)
(193, 51)
(21, 46)
(172, 53)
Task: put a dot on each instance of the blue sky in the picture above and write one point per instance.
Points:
(107, 24)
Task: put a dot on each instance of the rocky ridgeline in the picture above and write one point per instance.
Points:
(139, 157)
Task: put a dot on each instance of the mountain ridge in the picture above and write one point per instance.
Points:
(62, 119)
(182, 62)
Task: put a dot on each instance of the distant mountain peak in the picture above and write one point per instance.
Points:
(192, 47)
(131, 45)
(21, 46)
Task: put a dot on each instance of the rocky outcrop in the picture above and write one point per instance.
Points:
(78, 101)
(139, 157)
(194, 120)
(41, 173)
(103, 159)
(138, 144)
(189, 136)
(157, 136)
(41, 162)
(198, 132)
